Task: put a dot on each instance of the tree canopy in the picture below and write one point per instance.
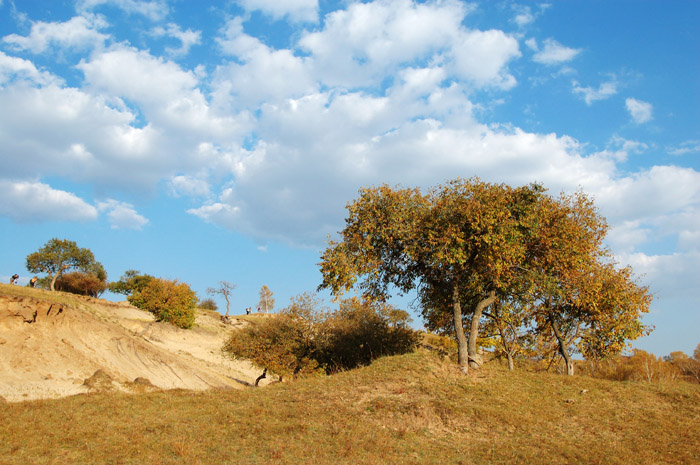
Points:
(470, 244)
(60, 255)
(131, 281)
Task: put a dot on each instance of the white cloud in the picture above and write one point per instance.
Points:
(590, 95)
(359, 46)
(52, 131)
(260, 73)
(619, 149)
(80, 32)
(523, 16)
(295, 10)
(154, 10)
(685, 148)
(553, 53)
(668, 275)
(187, 38)
(167, 95)
(482, 57)
(121, 215)
(640, 111)
(653, 193)
(189, 186)
(34, 201)
(19, 69)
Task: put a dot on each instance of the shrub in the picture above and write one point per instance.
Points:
(283, 345)
(169, 301)
(81, 283)
(208, 304)
(305, 339)
(361, 331)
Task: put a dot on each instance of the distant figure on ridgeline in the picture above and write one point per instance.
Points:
(247, 311)
(32, 282)
(14, 278)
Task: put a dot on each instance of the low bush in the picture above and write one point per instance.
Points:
(208, 304)
(169, 301)
(306, 339)
(81, 283)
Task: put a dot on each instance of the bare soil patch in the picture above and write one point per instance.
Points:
(55, 345)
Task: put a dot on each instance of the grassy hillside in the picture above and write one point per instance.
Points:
(405, 409)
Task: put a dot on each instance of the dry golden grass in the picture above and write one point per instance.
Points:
(407, 409)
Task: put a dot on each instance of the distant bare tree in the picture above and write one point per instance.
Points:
(225, 289)
(266, 303)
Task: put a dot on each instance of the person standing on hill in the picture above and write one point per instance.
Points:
(32, 282)
(14, 278)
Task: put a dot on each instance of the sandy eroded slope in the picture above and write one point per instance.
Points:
(53, 344)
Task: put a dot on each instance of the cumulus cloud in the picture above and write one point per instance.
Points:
(121, 215)
(482, 57)
(640, 111)
(168, 95)
(259, 73)
(80, 32)
(552, 52)
(35, 201)
(274, 142)
(19, 69)
(605, 90)
(154, 10)
(360, 45)
(295, 10)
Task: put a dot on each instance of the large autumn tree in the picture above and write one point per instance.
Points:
(59, 255)
(468, 244)
(460, 243)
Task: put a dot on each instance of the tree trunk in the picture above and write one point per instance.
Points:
(507, 349)
(264, 375)
(462, 356)
(227, 303)
(474, 330)
(53, 282)
(563, 350)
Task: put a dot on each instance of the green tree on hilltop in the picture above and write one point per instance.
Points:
(60, 255)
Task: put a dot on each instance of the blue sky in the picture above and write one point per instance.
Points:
(210, 141)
